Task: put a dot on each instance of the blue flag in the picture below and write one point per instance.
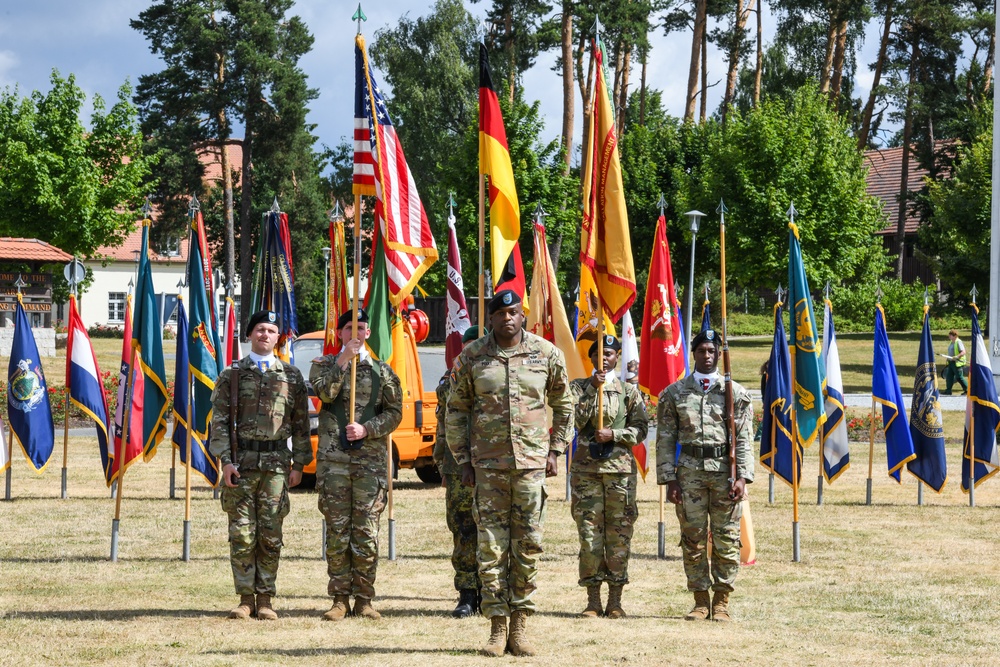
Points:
(203, 341)
(28, 409)
(706, 315)
(182, 382)
(886, 392)
(926, 427)
(776, 427)
(982, 413)
(147, 340)
(807, 369)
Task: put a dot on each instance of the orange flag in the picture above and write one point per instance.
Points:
(605, 245)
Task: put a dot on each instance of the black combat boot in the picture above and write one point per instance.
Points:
(468, 603)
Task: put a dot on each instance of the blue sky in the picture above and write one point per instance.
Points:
(92, 40)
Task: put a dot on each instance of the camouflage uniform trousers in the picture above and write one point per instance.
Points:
(705, 499)
(509, 509)
(256, 508)
(604, 507)
(458, 511)
(352, 503)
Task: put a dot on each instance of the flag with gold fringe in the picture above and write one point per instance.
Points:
(887, 393)
(807, 368)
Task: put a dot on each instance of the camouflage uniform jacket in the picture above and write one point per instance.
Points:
(273, 405)
(688, 415)
(443, 457)
(333, 384)
(618, 396)
(497, 415)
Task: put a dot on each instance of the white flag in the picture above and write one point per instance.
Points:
(836, 453)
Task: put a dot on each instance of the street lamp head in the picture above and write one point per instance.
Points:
(326, 254)
(695, 217)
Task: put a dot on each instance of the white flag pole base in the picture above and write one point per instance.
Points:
(173, 487)
(796, 552)
(770, 489)
(114, 540)
(819, 490)
(868, 492)
(392, 539)
(661, 540)
(920, 494)
(186, 554)
(63, 494)
(10, 474)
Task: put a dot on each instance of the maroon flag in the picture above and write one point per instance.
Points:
(458, 312)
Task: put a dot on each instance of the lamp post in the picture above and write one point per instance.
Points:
(695, 217)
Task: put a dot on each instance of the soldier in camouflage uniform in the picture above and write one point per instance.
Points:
(692, 411)
(498, 431)
(272, 405)
(458, 504)
(351, 464)
(603, 478)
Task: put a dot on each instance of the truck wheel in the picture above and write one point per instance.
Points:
(429, 474)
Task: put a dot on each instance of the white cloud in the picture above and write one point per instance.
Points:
(8, 62)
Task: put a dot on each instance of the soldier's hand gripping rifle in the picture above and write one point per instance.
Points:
(726, 364)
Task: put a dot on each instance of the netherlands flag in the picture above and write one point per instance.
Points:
(83, 377)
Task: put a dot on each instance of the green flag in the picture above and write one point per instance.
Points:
(147, 340)
(807, 367)
(379, 312)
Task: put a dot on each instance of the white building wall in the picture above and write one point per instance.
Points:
(115, 277)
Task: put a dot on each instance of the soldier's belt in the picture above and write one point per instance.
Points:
(262, 445)
(701, 452)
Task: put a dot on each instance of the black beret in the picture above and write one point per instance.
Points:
(706, 336)
(609, 341)
(347, 318)
(267, 316)
(471, 334)
(503, 299)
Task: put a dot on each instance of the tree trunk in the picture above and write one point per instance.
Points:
(247, 221)
(567, 72)
(623, 92)
(508, 28)
(697, 38)
(619, 71)
(988, 63)
(739, 23)
(838, 62)
(555, 249)
(904, 185)
(642, 89)
(831, 38)
(227, 186)
(704, 76)
(759, 68)
(866, 119)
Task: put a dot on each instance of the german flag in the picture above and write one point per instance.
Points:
(494, 161)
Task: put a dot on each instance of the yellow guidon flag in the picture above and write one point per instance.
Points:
(605, 245)
(494, 161)
(587, 315)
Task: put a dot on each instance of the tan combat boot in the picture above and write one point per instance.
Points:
(341, 605)
(700, 611)
(498, 638)
(517, 640)
(265, 612)
(614, 609)
(363, 608)
(246, 608)
(594, 608)
(720, 607)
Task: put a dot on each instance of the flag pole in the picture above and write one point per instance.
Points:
(127, 419)
(972, 422)
(661, 527)
(354, 304)
(822, 438)
(871, 455)
(796, 553)
(482, 244)
(186, 550)
(173, 472)
(10, 461)
(392, 520)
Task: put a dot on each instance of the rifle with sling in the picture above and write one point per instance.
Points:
(234, 376)
(726, 364)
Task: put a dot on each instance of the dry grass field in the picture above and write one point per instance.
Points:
(890, 584)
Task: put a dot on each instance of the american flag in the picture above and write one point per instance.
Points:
(380, 168)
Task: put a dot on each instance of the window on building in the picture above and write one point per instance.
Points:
(170, 246)
(116, 307)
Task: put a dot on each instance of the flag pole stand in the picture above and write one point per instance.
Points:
(819, 477)
(118, 485)
(871, 455)
(796, 550)
(392, 520)
(661, 529)
(118, 511)
(65, 472)
(972, 460)
(218, 482)
(186, 550)
(920, 493)
(114, 489)
(322, 532)
(770, 489)
(173, 472)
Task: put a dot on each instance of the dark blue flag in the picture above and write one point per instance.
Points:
(886, 392)
(776, 427)
(926, 427)
(982, 412)
(28, 408)
(182, 382)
